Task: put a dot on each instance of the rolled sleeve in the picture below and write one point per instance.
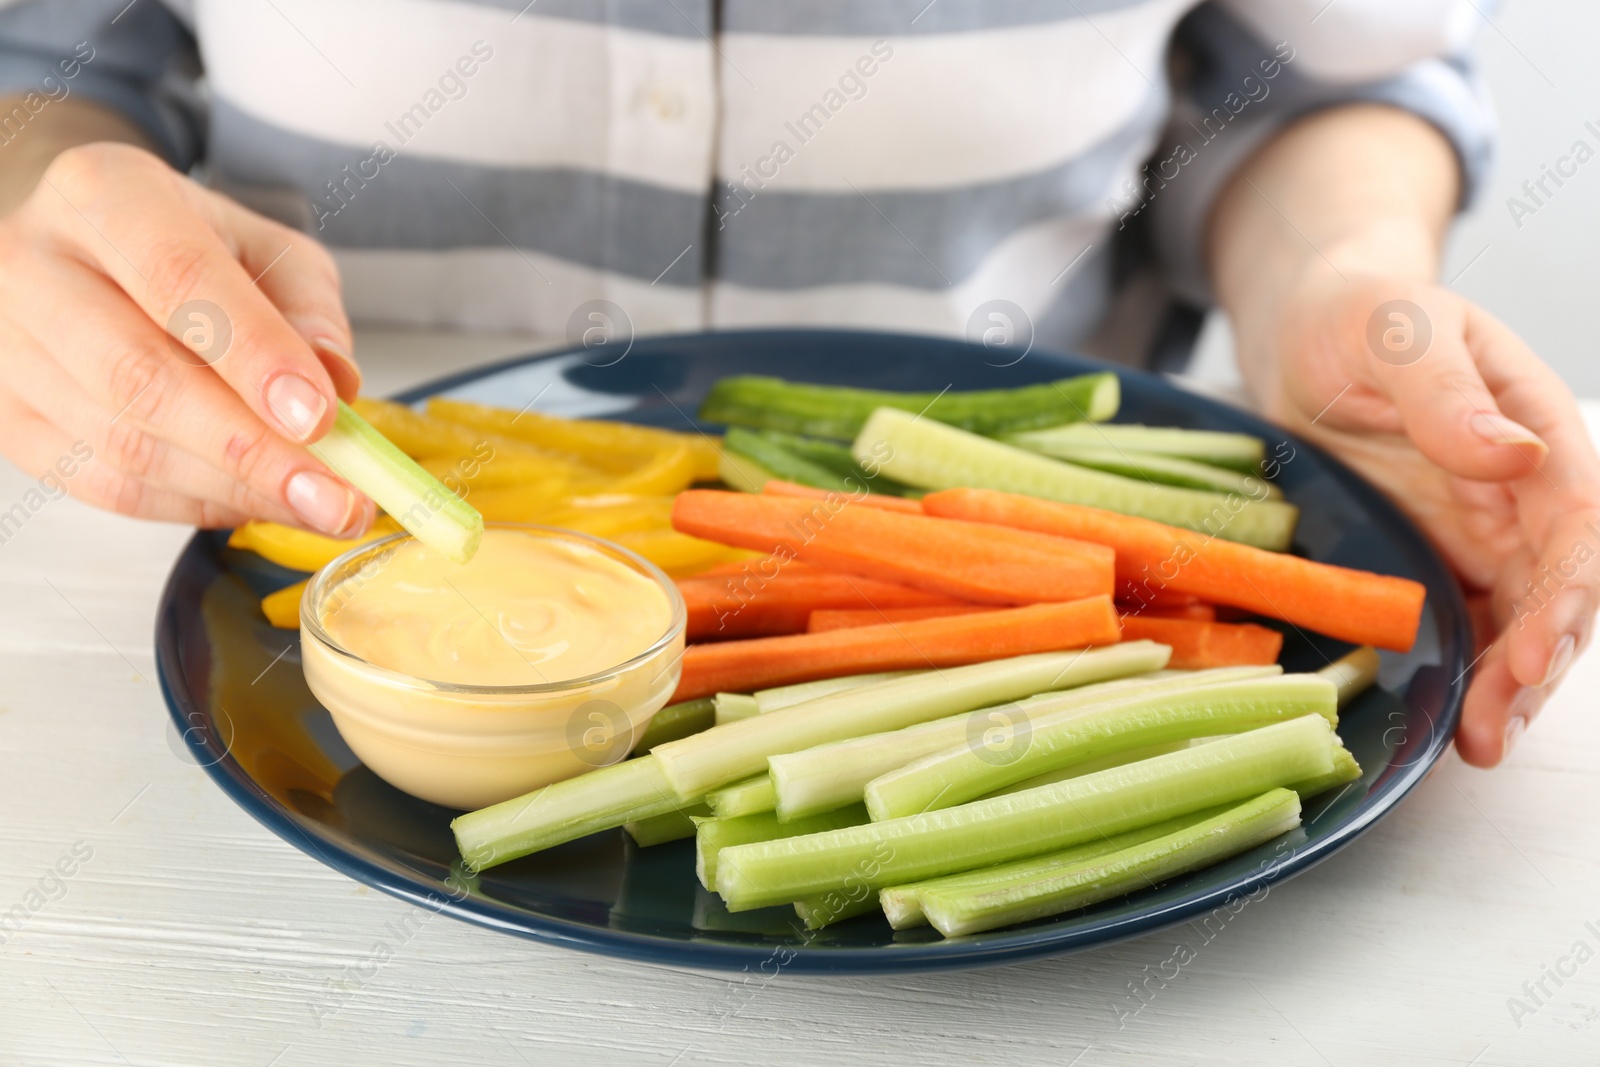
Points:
(1229, 102)
(138, 59)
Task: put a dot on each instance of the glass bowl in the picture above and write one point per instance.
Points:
(468, 746)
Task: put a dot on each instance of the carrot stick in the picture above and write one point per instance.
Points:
(1352, 605)
(850, 618)
(1197, 644)
(1196, 612)
(826, 619)
(1161, 598)
(970, 561)
(766, 598)
(761, 662)
(760, 565)
(779, 487)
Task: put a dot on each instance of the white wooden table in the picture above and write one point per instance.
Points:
(191, 935)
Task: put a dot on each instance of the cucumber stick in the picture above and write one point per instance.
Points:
(839, 412)
(1046, 819)
(902, 904)
(742, 473)
(1167, 470)
(743, 798)
(770, 455)
(837, 457)
(415, 499)
(1018, 751)
(930, 455)
(711, 836)
(807, 460)
(631, 791)
(1236, 451)
(670, 826)
(970, 910)
(835, 774)
(696, 765)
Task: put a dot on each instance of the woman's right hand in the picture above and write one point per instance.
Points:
(189, 346)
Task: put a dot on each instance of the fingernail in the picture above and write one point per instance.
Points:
(1570, 613)
(324, 345)
(1514, 729)
(1499, 430)
(1560, 658)
(322, 502)
(296, 403)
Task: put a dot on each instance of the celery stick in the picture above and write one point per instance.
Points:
(955, 912)
(724, 754)
(1345, 770)
(670, 826)
(835, 774)
(602, 799)
(1167, 470)
(1041, 744)
(713, 835)
(731, 707)
(931, 455)
(1354, 672)
(784, 696)
(1078, 770)
(825, 909)
(743, 798)
(1237, 451)
(742, 473)
(838, 411)
(902, 904)
(675, 721)
(414, 498)
(1046, 819)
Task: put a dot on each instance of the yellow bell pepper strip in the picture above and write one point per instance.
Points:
(613, 515)
(465, 476)
(679, 554)
(706, 452)
(588, 438)
(529, 502)
(666, 471)
(301, 550)
(282, 608)
(440, 442)
(416, 434)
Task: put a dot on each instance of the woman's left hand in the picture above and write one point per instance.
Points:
(1442, 406)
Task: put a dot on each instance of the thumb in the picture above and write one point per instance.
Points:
(1419, 356)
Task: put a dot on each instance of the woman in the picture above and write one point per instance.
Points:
(934, 165)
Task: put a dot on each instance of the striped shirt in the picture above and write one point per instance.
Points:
(891, 164)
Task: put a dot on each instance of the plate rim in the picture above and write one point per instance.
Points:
(996, 948)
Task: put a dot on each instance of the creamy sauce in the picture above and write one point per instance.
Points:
(525, 611)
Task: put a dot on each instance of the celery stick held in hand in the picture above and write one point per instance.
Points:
(196, 347)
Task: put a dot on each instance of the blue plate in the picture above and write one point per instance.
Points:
(236, 693)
